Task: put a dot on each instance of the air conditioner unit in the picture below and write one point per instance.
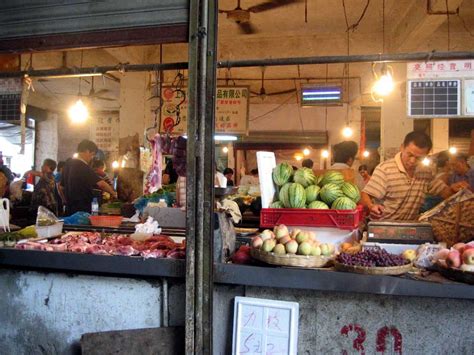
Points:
(321, 95)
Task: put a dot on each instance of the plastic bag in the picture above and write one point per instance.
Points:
(78, 218)
(45, 217)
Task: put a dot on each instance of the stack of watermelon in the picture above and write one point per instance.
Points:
(303, 189)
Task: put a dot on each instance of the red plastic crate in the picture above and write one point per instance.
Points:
(343, 219)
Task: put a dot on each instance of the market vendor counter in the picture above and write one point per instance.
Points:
(352, 313)
(52, 298)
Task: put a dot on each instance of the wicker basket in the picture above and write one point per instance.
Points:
(455, 222)
(291, 259)
(376, 270)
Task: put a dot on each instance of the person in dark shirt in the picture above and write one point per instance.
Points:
(99, 167)
(307, 163)
(229, 173)
(79, 180)
(44, 193)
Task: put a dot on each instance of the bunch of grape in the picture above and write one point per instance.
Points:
(371, 258)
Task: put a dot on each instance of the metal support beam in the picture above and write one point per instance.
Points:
(367, 58)
(199, 175)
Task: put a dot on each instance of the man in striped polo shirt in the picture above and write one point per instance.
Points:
(400, 184)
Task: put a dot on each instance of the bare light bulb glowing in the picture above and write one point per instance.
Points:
(306, 151)
(384, 85)
(225, 150)
(115, 164)
(78, 113)
(298, 157)
(366, 154)
(426, 162)
(453, 150)
(75, 155)
(325, 154)
(347, 132)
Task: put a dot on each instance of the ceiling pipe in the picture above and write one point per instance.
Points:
(387, 58)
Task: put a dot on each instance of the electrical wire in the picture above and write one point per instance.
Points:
(272, 110)
(299, 107)
(449, 34)
(356, 24)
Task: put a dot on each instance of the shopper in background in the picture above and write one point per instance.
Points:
(250, 179)
(169, 174)
(229, 173)
(44, 193)
(78, 180)
(364, 173)
(461, 170)
(59, 171)
(307, 163)
(443, 168)
(344, 155)
(99, 168)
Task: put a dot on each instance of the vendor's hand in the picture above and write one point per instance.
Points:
(376, 211)
(457, 186)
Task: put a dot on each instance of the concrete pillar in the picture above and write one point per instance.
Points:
(440, 134)
(134, 106)
(394, 121)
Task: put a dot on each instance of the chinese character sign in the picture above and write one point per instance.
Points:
(441, 69)
(105, 131)
(232, 105)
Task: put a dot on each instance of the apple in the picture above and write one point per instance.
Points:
(325, 249)
(409, 255)
(468, 256)
(294, 233)
(442, 254)
(311, 235)
(281, 231)
(465, 267)
(279, 249)
(291, 247)
(267, 234)
(284, 239)
(268, 245)
(459, 247)
(302, 237)
(304, 248)
(315, 250)
(257, 242)
(453, 259)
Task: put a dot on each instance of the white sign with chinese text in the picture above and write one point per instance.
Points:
(105, 131)
(442, 69)
(232, 106)
(263, 326)
(469, 97)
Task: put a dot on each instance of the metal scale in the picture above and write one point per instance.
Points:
(400, 232)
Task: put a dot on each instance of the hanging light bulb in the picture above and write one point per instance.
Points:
(75, 155)
(115, 165)
(298, 157)
(366, 154)
(383, 85)
(78, 113)
(325, 154)
(225, 150)
(306, 152)
(453, 150)
(426, 161)
(347, 132)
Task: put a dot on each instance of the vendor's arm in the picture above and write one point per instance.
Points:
(438, 187)
(376, 188)
(107, 188)
(34, 173)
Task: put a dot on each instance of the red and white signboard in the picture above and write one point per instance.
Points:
(232, 106)
(444, 69)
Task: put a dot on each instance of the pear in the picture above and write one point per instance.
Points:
(302, 237)
(315, 250)
(281, 231)
(267, 234)
(279, 249)
(291, 247)
(304, 248)
(268, 245)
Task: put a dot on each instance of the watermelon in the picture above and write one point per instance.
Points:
(312, 193)
(319, 178)
(330, 192)
(282, 173)
(351, 191)
(318, 205)
(283, 195)
(305, 177)
(334, 177)
(297, 196)
(343, 203)
(277, 204)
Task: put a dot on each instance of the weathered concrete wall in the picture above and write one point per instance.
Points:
(46, 313)
(70, 135)
(424, 325)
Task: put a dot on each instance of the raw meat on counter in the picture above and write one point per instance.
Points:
(158, 246)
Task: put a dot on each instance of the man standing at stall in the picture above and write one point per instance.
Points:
(402, 182)
(78, 180)
(461, 170)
